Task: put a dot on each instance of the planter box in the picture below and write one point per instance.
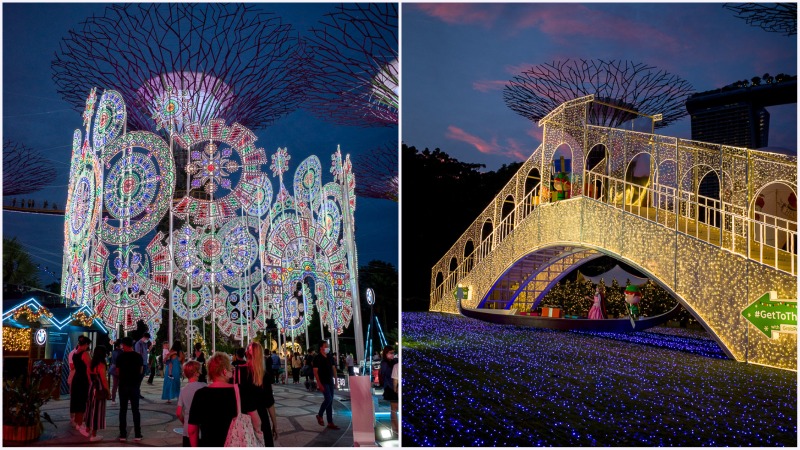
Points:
(29, 433)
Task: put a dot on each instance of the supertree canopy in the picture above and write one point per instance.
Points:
(772, 17)
(377, 173)
(24, 170)
(354, 74)
(623, 86)
(184, 63)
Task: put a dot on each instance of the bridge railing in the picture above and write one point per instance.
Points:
(765, 238)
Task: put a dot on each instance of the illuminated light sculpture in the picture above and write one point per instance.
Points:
(127, 284)
(156, 53)
(236, 252)
(623, 90)
(216, 152)
(24, 170)
(139, 184)
(355, 67)
(772, 17)
(710, 253)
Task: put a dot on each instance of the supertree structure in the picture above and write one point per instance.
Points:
(24, 169)
(354, 75)
(183, 63)
(620, 88)
(377, 173)
(772, 17)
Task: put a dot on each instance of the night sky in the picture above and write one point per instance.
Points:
(458, 57)
(35, 115)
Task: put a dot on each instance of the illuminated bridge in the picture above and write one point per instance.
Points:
(716, 226)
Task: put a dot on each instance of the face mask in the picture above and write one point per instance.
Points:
(326, 351)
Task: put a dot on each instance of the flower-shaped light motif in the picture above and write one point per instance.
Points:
(280, 162)
(89, 111)
(171, 108)
(126, 280)
(212, 167)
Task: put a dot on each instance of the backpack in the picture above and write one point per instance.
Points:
(241, 433)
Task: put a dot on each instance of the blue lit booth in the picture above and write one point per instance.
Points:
(37, 339)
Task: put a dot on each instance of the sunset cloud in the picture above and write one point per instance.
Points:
(461, 13)
(512, 149)
(489, 85)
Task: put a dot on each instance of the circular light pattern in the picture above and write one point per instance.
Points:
(222, 256)
(255, 195)
(308, 182)
(470, 383)
(170, 108)
(109, 119)
(240, 314)
(126, 284)
(193, 304)
(139, 185)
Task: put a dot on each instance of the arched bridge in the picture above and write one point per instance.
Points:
(714, 225)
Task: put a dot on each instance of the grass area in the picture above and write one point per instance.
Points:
(470, 383)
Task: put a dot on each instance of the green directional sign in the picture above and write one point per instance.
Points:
(772, 315)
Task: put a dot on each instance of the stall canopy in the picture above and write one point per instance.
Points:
(21, 313)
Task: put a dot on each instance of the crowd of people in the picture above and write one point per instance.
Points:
(207, 403)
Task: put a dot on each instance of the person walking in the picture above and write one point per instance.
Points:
(276, 366)
(130, 369)
(349, 362)
(98, 394)
(256, 383)
(200, 357)
(324, 373)
(297, 363)
(142, 348)
(153, 362)
(388, 364)
(79, 391)
(113, 371)
(214, 406)
(172, 373)
(191, 370)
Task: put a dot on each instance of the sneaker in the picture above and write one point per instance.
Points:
(332, 426)
(95, 438)
(137, 438)
(84, 431)
(122, 438)
(320, 421)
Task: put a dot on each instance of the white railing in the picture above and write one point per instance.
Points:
(763, 238)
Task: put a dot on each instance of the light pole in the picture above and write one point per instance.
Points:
(371, 303)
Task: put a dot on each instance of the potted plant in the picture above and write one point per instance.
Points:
(21, 409)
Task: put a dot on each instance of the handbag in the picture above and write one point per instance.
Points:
(241, 432)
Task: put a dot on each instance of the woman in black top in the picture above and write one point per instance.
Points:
(214, 406)
(200, 357)
(256, 383)
(79, 392)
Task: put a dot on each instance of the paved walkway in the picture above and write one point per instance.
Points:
(295, 408)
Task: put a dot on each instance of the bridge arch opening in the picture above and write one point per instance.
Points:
(507, 216)
(563, 151)
(637, 181)
(486, 232)
(439, 285)
(596, 163)
(775, 205)
(708, 199)
(526, 283)
(453, 264)
(533, 185)
(469, 256)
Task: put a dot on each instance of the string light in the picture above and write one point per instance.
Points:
(30, 314)
(714, 276)
(83, 318)
(471, 383)
(17, 339)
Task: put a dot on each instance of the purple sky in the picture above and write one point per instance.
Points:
(458, 57)
(34, 114)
